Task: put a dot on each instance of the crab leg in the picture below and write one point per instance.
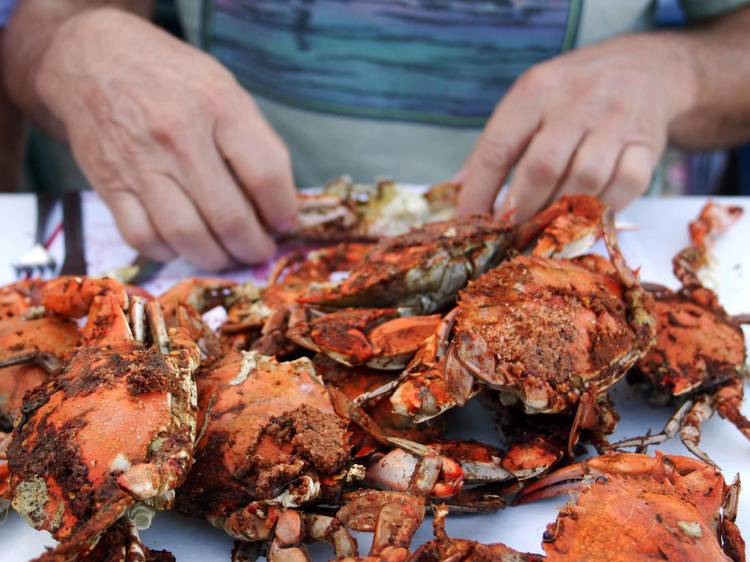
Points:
(731, 539)
(565, 229)
(393, 517)
(727, 401)
(669, 431)
(46, 361)
(293, 527)
(417, 391)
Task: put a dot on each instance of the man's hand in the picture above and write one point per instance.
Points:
(591, 121)
(174, 146)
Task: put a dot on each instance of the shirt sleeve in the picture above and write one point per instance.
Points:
(705, 9)
(6, 9)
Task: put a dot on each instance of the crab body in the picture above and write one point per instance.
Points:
(552, 334)
(699, 358)
(676, 508)
(113, 428)
(421, 270)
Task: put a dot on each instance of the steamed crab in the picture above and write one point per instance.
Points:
(685, 504)
(628, 507)
(34, 337)
(275, 440)
(421, 271)
(700, 353)
(548, 334)
(349, 211)
(114, 428)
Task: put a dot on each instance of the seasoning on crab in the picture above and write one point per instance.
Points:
(551, 334)
(700, 354)
(114, 428)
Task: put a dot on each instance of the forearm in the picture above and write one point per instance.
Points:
(30, 33)
(719, 113)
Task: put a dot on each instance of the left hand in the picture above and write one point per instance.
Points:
(591, 121)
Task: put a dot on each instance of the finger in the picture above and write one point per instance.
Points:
(503, 140)
(542, 168)
(227, 209)
(260, 160)
(180, 225)
(632, 175)
(594, 163)
(134, 225)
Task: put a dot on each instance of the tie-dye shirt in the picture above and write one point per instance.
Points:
(400, 87)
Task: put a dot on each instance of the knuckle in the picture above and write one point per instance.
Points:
(168, 129)
(494, 152)
(268, 177)
(635, 177)
(588, 179)
(538, 77)
(231, 226)
(543, 170)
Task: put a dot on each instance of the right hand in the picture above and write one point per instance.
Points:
(170, 141)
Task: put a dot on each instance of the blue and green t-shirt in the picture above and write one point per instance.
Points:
(399, 88)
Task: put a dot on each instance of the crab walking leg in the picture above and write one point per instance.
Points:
(727, 401)
(734, 544)
(293, 528)
(690, 428)
(689, 417)
(669, 431)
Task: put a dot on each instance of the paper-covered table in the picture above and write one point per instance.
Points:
(661, 233)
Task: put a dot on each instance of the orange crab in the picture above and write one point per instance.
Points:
(700, 352)
(421, 271)
(275, 439)
(378, 338)
(113, 428)
(533, 327)
(675, 508)
(628, 507)
(549, 334)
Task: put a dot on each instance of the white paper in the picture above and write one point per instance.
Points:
(662, 232)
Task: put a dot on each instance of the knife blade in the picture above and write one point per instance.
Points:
(75, 253)
(146, 269)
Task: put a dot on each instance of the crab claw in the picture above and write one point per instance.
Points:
(556, 483)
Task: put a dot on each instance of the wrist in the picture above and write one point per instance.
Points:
(73, 60)
(681, 73)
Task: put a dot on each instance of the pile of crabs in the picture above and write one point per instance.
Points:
(318, 407)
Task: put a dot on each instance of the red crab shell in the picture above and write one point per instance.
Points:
(636, 507)
(246, 400)
(543, 329)
(113, 427)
